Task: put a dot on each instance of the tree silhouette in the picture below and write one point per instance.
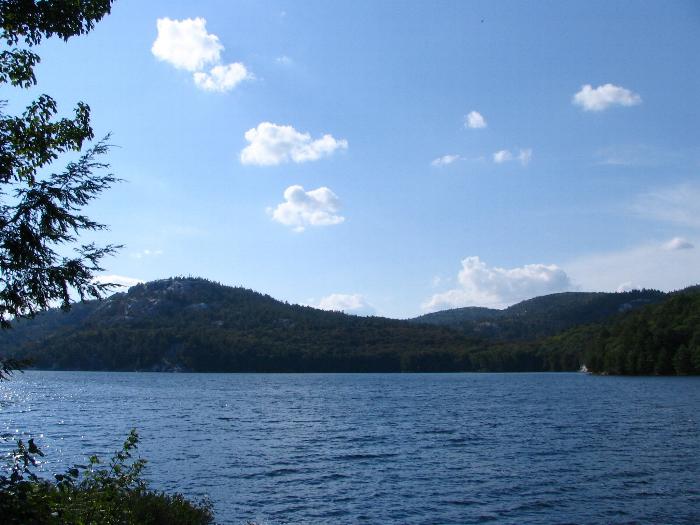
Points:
(41, 261)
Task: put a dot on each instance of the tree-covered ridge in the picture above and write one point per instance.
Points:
(541, 316)
(657, 339)
(456, 317)
(198, 325)
(662, 339)
(193, 324)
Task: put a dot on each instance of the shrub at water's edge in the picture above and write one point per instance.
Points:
(91, 494)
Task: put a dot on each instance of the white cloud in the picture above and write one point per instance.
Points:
(626, 287)
(186, 44)
(272, 144)
(319, 207)
(678, 243)
(481, 285)
(348, 303)
(502, 156)
(665, 265)
(120, 280)
(222, 78)
(525, 156)
(146, 253)
(475, 120)
(678, 204)
(649, 265)
(445, 160)
(602, 97)
(284, 60)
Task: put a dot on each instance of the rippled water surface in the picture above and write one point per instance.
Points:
(375, 448)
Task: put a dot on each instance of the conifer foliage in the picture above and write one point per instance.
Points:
(42, 261)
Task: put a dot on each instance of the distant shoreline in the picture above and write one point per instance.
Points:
(473, 372)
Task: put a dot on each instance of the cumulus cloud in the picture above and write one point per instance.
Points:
(222, 78)
(187, 45)
(445, 160)
(523, 156)
(475, 120)
(121, 281)
(678, 243)
(602, 97)
(300, 209)
(272, 144)
(348, 303)
(502, 156)
(482, 285)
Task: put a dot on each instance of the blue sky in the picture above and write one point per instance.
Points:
(321, 151)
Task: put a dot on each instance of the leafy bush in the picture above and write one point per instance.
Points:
(91, 494)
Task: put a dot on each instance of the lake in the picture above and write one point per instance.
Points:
(385, 448)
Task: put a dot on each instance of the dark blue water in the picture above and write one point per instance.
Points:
(421, 448)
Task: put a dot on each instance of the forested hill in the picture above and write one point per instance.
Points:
(191, 324)
(542, 316)
(661, 339)
(194, 324)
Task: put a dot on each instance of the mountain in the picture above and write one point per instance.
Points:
(660, 339)
(542, 316)
(198, 325)
(455, 317)
(192, 324)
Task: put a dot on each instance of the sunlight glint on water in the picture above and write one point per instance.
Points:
(452, 448)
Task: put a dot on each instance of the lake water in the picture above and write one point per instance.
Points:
(376, 448)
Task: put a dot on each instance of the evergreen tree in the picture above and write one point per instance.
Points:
(682, 361)
(41, 261)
